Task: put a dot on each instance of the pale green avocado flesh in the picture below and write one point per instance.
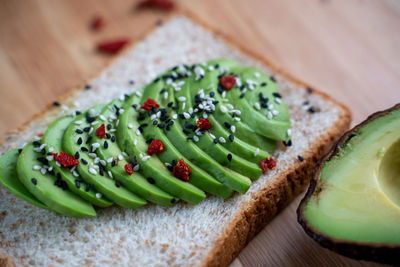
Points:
(357, 197)
(246, 122)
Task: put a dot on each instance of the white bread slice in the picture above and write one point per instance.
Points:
(210, 233)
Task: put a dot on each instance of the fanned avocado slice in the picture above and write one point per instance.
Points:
(110, 152)
(9, 179)
(198, 177)
(353, 203)
(242, 131)
(74, 142)
(42, 186)
(133, 142)
(206, 142)
(53, 140)
(225, 130)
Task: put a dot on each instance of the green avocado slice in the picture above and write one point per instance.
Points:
(198, 177)
(233, 143)
(242, 131)
(9, 179)
(270, 122)
(109, 151)
(132, 141)
(193, 153)
(53, 140)
(89, 173)
(42, 187)
(207, 143)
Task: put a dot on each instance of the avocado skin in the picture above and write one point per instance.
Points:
(9, 179)
(378, 252)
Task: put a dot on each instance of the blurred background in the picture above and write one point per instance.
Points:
(348, 48)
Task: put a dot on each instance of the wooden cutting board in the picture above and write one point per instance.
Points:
(347, 48)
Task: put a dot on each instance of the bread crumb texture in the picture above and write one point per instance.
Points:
(210, 233)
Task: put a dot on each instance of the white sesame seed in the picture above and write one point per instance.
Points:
(257, 105)
(93, 171)
(223, 94)
(98, 195)
(183, 105)
(289, 132)
(43, 171)
(195, 138)
(130, 125)
(205, 116)
(269, 116)
(91, 130)
(135, 142)
(182, 98)
(78, 122)
(138, 132)
(175, 116)
(236, 111)
(152, 117)
(145, 158)
(94, 123)
(72, 169)
(190, 110)
(120, 157)
(42, 146)
(186, 115)
(92, 155)
(223, 109)
(96, 160)
(230, 106)
(270, 106)
(102, 118)
(103, 162)
(257, 74)
(49, 158)
(109, 160)
(75, 173)
(36, 167)
(256, 152)
(275, 112)
(237, 119)
(50, 168)
(222, 140)
(110, 174)
(51, 149)
(166, 95)
(136, 168)
(210, 68)
(117, 123)
(278, 100)
(58, 164)
(124, 154)
(212, 136)
(233, 128)
(138, 93)
(167, 164)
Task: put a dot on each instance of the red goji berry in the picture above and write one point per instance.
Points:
(267, 163)
(204, 124)
(157, 4)
(112, 47)
(65, 159)
(149, 104)
(101, 131)
(128, 168)
(181, 170)
(97, 23)
(228, 81)
(155, 147)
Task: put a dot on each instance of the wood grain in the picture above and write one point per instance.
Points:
(347, 48)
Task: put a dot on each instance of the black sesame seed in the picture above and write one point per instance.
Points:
(300, 158)
(241, 95)
(273, 79)
(113, 138)
(212, 94)
(101, 170)
(86, 129)
(229, 157)
(109, 126)
(170, 123)
(36, 143)
(156, 79)
(227, 125)
(113, 163)
(186, 131)
(148, 141)
(189, 138)
(19, 150)
(117, 184)
(84, 161)
(34, 181)
(170, 104)
(163, 91)
(78, 131)
(161, 125)
(131, 82)
(135, 106)
(43, 160)
(77, 155)
(175, 107)
(155, 122)
(58, 175)
(88, 86)
(87, 188)
(105, 144)
(79, 142)
(84, 149)
(151, 180)
(64, 185)
(55, 103)
(77, 184)
(278, 95)
(311, 110)
(140, 117)
(88, 140)
(143, 125)
(215, 141)
(77, 112)
(43, 151)
(231, 137)
(173, 200)
(108, 135)
(264, 84)
(216, 66)
(310, 90)
(287, 143)
(305, 103)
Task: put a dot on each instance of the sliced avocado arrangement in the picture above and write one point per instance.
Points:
(205, 128)
(353, 203)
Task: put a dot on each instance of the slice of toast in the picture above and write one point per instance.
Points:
(211, 233)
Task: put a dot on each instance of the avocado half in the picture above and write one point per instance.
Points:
(352, 205)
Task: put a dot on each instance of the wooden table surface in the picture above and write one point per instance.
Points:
(347, 48)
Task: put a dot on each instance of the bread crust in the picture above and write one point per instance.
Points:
(267, 202)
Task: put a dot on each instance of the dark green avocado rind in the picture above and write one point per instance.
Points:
(378, 252)
(237, 146)
(9, 179)
(53, 139)
(104, 184)
(61, 201)
(198, 177)
(152, 167)
(134, 182)
(217, 151)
